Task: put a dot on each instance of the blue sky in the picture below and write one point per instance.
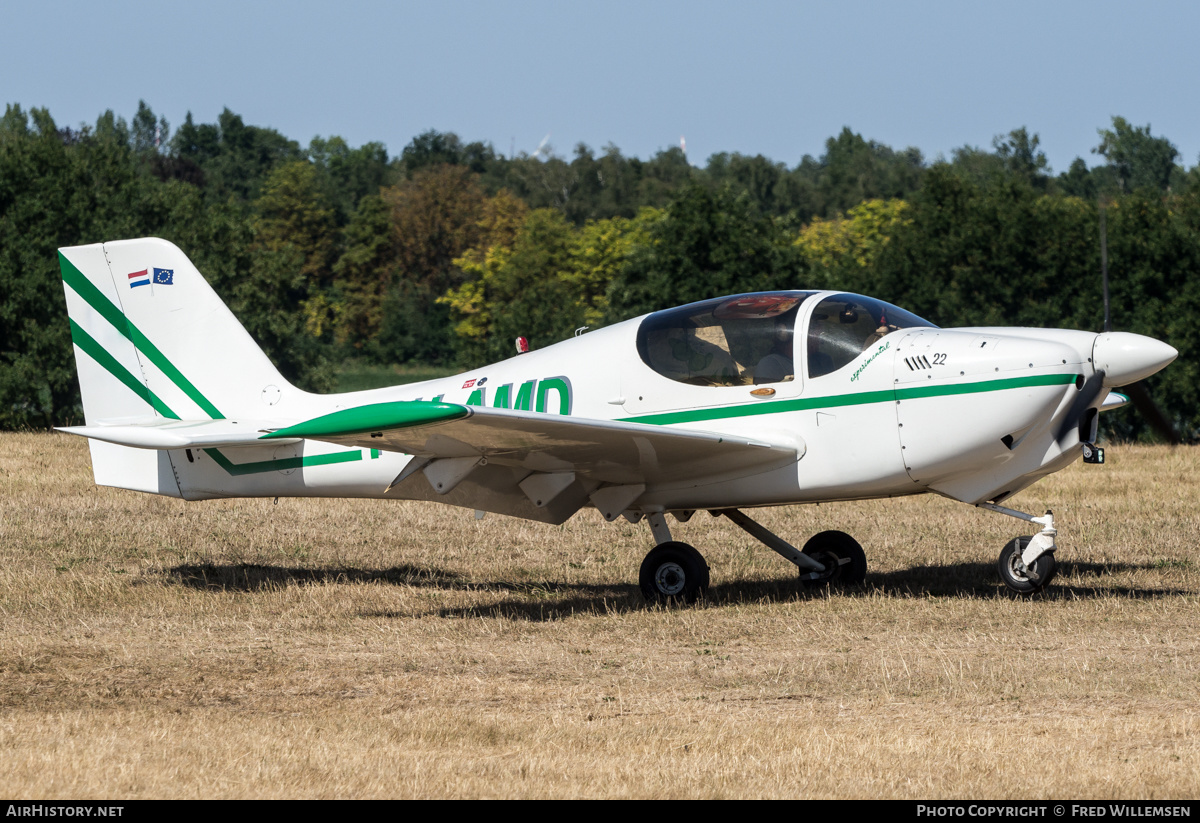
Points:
(776, 78)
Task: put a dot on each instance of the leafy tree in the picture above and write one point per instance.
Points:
(282, 300)
(546, 181)
(363, 273)
(997, 253)
(662, 177)
(348, 175)
(515, 290)
(1020, 155)
(108, 127)
(435, 218)
(1154, 273)
(57, 188)
(434, 148)
(542, 281)
(234, 158)
(760, 178)
(416, 324)
(600, 252)
(852, 170)
(1078, 181)
(843, 252)
(293, 213)
(1016, 154)
(1138, 159)
(149, 135)
(340, 248)
(590, 187)
(37, 382)
(602, 187)
(431, 148)
(274, 304)
(975, 164)
(708, 243)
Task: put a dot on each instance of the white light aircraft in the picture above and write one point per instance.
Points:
(732, 403)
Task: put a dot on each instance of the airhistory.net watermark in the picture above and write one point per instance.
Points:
(44, 810)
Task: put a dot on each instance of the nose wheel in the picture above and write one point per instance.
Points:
(1021, 577)
(1026, 564)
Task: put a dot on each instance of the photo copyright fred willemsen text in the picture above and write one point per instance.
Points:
(1057, 810)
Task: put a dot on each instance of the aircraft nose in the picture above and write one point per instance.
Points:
(1127, 358)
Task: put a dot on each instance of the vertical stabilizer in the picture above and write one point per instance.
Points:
(152, 339)
(146, 305)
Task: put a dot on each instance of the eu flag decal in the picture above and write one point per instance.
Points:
(164, 277)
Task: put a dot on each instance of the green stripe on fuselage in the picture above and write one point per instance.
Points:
(858, 399)
(284, 464)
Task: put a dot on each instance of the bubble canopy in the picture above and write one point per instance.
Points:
(749, 339)
(843, 326)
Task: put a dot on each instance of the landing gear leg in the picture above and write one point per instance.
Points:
(828, 557)
(672, 571)
(1027, 564)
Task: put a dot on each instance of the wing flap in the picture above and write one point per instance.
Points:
(493, 488)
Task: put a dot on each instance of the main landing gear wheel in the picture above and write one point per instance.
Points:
(1018, 577)
(844, 559)
(673, 572)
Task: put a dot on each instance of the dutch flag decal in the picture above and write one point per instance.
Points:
(139, 278)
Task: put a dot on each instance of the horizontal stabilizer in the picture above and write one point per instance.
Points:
(160, 433)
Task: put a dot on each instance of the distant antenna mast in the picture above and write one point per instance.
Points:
(683, 146)
(1104, 261)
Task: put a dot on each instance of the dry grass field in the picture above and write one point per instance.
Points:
(334, 649)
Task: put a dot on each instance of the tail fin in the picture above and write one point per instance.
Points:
(153, 339)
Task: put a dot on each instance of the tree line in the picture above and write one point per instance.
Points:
(447, 252)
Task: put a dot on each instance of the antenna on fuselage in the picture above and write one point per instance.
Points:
(1104, 260)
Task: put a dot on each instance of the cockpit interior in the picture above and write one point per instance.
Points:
(751, 339)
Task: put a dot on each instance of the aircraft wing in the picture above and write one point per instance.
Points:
(557, 462)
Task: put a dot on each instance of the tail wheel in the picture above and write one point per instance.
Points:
(673, 572)
(1024, 579)
(844, 559)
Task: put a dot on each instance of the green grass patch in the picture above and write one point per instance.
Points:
(358, 375)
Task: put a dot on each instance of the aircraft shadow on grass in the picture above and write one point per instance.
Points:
(549, 600)
(254, 577)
